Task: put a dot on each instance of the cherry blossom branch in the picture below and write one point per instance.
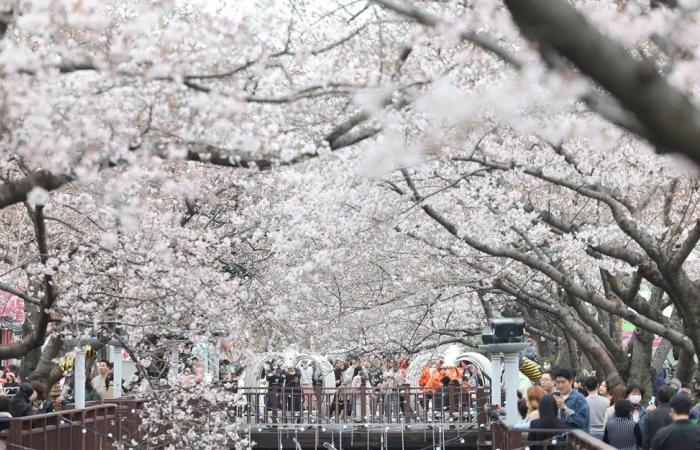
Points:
(40, 324)
(618, 206)
(670, 117)
(12, 192)
(7, 16)
(555, 275)
(607, 107)
(23, 295)
(428, 19)
(686, 248)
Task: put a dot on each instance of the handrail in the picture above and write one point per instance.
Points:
(584, 441)
(278, 404)
(505, 437)
(90, 428)
(62, 413)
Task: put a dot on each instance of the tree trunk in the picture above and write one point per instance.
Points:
(641, 360)
(31, 359)
(660, 355)
(685, 367)
(573, 354)
(562, 358)
(46, 363)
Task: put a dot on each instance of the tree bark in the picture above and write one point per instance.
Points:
(641, 360)
(685, 367)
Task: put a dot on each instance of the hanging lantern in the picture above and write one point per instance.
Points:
(68, 361)
(89, 352)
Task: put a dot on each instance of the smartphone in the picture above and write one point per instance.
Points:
(652, 401)
(556, 394)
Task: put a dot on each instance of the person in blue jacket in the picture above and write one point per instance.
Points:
(573, 407)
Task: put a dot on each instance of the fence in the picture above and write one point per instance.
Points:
(504, 437)
(92, 428)
(100, 425)
(367, 405)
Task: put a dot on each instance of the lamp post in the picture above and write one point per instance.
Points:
(79, 378)
(117, 371)
(505, 337)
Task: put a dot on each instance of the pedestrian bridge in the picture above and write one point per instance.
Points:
(279, 419)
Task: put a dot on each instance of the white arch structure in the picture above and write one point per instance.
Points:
(251, 375)
(452, 355)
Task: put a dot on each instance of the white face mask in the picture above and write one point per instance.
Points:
(635, 399)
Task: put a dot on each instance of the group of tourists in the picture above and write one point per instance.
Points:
(615, 415)
(381, 379)
(21, 398)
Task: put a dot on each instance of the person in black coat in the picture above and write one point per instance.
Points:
(658, 418)
(5, 415)
(681, 434)
(21, 405)
(549, 420)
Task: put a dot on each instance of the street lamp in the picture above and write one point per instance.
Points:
(504, 337)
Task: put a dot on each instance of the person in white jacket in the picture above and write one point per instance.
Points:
(306, 379)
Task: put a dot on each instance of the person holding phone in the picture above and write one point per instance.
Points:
(572, 405)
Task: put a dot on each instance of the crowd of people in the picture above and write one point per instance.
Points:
(616, 415)
(20, 398)
(375, 374)
(380, 378)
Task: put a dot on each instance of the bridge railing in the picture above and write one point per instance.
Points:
(278, 404)
(91, 428)
(504, 437)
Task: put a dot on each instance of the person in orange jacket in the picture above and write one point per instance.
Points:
(436, 376)
(424, 376)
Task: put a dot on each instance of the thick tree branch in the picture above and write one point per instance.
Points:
(555, 275)
(12, 192)
(686, 248)
(428, 19)
(23, 295)
(670, 117)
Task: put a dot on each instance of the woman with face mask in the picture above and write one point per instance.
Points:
(635, 393)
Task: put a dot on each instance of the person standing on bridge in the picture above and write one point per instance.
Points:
(547, 382)
(597, 405)
(682, 433)
(572, 405)
(306, 374)
(548, 420)
(659, 417)
(100, 382)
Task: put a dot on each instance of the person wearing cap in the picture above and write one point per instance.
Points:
(21, 405)
(681, 434)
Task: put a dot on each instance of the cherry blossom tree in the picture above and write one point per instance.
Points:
(359, 175)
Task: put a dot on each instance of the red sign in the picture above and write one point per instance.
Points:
(11, 306)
